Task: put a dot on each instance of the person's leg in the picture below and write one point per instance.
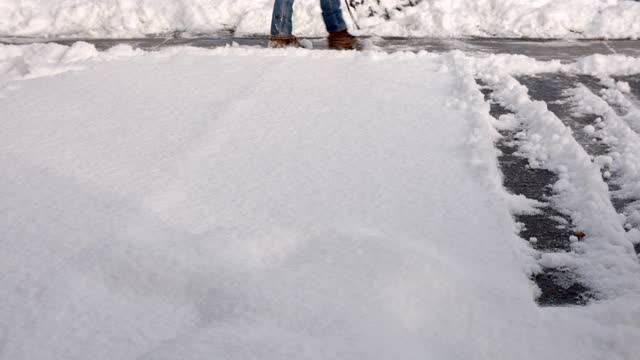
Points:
(281, 23)
(339, 38)
(332, 15)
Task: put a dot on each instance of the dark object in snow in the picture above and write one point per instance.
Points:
(580, 235)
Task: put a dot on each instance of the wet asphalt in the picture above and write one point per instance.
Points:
(564, 50)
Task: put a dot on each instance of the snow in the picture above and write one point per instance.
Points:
(436, 18)
(623, 141)
(580, 191)
(623, 86)
(197, 204)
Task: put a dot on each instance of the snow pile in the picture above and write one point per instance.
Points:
(441, 18)
(39, 60)
(184, 219)
(196, 204)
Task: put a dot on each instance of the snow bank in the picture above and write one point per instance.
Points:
(153, 213)
(40, 60)
(441, 18)
(196, 204)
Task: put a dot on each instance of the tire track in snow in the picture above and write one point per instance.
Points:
(616, 151)
(621, 165)
(548, 230)
(618, 94)
(604, 260)
(623, 94)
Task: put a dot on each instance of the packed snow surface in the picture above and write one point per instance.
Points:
(242, 203)
(441, 18)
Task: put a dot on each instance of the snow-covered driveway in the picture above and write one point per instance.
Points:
(244, 203)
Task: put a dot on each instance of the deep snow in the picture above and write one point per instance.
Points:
(197, 204)
(436, 18)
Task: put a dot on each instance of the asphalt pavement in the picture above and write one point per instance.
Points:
(565, 50)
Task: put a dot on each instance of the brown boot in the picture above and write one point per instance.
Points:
(342, 40)
(284, 41)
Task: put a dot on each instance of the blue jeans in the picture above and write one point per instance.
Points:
(281, 24)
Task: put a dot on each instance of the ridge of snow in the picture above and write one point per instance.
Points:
(435, 18)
